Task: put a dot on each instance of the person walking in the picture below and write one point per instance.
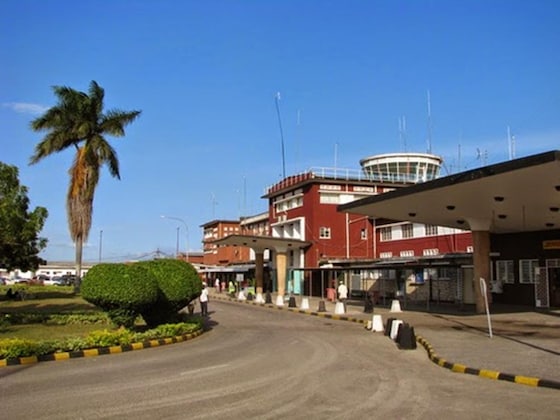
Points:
(217, 285)
(342, 293)
(204, 300)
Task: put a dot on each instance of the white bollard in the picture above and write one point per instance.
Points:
(241, 296)
(279, 301)
(259, 298)
(377, 324)
(395, 328)
(339, 308)
(304, 304)
(395, 305)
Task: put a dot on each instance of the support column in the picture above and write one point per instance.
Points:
(481, 260)
(281, 259)
(259, 269)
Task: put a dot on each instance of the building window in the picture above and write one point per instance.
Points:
(326, 198)
(504, 271)
(324, 233)
(430, 252)
(527, 269)
(363, 234)
(407, 253)
(431, 230)
(406, 230)
(385, 254)
(386, 233)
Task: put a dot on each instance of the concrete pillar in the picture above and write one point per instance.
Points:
(481, 260)
(281, 260)
(259, 270)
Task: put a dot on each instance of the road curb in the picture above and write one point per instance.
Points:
(294, 310)
(485, 373)
(101, 351)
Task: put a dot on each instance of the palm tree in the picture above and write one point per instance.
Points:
(78, 120)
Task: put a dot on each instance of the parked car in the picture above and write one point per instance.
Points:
(55, 281)
(69, 279)
(16, 280)
(39, 280)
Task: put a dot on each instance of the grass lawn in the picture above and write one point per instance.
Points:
(47, 300)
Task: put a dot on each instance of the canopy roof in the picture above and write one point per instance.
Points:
(515, 196)
(259, 242)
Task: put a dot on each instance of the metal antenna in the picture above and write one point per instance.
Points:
(277, 99)
(429, 124)
(214, 202)
(402, 132)
(511, 144)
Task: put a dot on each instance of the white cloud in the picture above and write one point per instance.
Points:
(25, 108)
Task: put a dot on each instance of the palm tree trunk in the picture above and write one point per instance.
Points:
(78, 279)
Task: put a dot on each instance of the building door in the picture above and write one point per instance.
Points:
(468, 285)
(554, 285)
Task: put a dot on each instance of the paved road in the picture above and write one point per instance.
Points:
(256, 362)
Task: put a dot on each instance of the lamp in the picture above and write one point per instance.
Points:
(186, 232)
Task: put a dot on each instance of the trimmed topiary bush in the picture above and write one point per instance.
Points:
(121, 290)
(178, 284)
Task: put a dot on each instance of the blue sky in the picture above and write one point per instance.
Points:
(205, 75)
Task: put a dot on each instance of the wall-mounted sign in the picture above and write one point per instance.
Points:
(551, 244)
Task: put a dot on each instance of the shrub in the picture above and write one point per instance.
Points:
(121, 290)
(12, 348)
(178, 284)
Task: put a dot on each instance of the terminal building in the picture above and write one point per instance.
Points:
(307, 245)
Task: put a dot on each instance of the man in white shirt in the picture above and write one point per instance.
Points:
(204, 300)
(342, 293)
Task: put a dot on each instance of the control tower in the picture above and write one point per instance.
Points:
(402, 168)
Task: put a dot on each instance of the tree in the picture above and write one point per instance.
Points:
(19, 228)
(78, 121)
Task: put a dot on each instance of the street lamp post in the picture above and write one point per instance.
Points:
(186, 233)
(100, 243)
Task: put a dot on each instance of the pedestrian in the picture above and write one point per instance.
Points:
(370, 299)
(231, 288)
(342, 293)
(204, 300)
(217, 285)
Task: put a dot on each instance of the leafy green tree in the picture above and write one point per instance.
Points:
(20, 243)
(78, 121)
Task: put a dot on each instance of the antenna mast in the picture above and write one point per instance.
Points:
(511, 144)
(429, 124)
(402, 132)
(277, 99)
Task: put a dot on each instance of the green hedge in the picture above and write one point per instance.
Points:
(178, 283)
(122, 290)
(12, 348)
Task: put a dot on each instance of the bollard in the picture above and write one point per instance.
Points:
(279, 300)
(304, 304)
(292, 302)
(395, 328)
(396, 305)
(259, 298)
(249, 296)
(388, 326)
(339, 308)
(377, 324)
(406, 339)
(268, 298)
(322, 306)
